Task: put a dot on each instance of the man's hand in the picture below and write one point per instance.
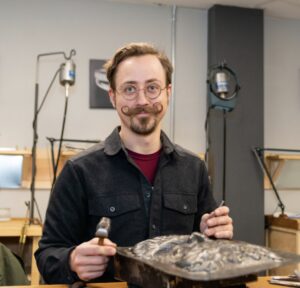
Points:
(217, 224)
(89, 260)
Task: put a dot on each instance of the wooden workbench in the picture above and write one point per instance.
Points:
(262, 282)
(283, 234)
(13, 228)
(90, 285)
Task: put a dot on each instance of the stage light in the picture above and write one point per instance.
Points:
(67, 78)
(223, 87)
(223, 90)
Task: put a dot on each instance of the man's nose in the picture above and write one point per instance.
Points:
(141, 97)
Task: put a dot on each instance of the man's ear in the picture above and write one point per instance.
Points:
(112, 97)
(169, 91)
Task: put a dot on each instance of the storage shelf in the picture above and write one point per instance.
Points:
(44, 173)
(275, 164)
(283, 233)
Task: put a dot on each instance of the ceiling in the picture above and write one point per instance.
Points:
(277, 8)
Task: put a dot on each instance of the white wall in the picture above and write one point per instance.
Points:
(95, 28)
(282, 83)
(282, 97)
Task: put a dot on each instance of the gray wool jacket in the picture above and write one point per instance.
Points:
(104, 181)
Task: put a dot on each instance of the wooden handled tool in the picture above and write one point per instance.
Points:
(102, 230)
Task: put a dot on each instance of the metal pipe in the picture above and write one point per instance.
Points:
(173, 59)
(258, 152)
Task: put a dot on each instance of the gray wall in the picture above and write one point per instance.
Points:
(95, 28)
(236, 36)
(282, 99)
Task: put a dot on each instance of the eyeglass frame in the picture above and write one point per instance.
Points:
(136, 93)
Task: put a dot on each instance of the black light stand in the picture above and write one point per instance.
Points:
(37, 109)
(55, 163)
(223, 90)
(259, 153)
(224, 154)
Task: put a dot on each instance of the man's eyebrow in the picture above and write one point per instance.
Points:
(129, 82)
(153, 80)
(136, 82)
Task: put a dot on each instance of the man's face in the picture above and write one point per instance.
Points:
(142, 75)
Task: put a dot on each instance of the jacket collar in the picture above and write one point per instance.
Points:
(113, 143)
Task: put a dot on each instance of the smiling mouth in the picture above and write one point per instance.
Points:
(142, 114)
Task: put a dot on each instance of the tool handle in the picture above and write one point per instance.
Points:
(101, 241)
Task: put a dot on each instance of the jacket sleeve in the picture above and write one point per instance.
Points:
(63, 228)
(206, 201)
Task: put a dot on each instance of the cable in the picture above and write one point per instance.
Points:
(52, 140)
(34, 145)
(60, 142)
(258, 152)
(39, 212)
(224, 154)
(206, 127)
(34, 124)
(47, 92)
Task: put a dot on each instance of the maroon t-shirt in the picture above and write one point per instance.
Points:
(147, 163)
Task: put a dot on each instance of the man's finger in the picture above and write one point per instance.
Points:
(221, 220)
(222, 231)
(224, 234)
(205, 217)
(223, 210)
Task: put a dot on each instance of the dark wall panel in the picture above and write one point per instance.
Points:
(236, 36)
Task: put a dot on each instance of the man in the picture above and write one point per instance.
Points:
(147, 185)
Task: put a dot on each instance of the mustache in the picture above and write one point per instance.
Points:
(156, 108)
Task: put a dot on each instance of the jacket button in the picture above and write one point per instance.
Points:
(112, 209)
(185, 207)
(153, 226)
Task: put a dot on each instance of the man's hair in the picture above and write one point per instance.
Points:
(136, 49)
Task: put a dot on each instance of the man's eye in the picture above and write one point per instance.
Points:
(129, 89)
(153, 88)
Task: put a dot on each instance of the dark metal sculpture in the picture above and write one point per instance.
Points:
(195, 261)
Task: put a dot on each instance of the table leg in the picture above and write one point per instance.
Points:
(35, 274)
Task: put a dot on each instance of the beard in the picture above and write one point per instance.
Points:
(144, 125)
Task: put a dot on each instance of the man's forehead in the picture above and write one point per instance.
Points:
(140, 68)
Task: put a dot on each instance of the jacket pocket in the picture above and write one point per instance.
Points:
(179, 213)
(114, 205)
(183, 203)
(125, 211)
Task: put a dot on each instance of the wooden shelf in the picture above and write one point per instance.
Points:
(15, 228)
(275, 164)
(88, 285)
(283, 234)
(44, 173)
(277, 157)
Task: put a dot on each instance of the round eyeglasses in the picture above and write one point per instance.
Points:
(131, 91)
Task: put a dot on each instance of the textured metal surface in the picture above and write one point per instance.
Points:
(195, 259)
(138, 274)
